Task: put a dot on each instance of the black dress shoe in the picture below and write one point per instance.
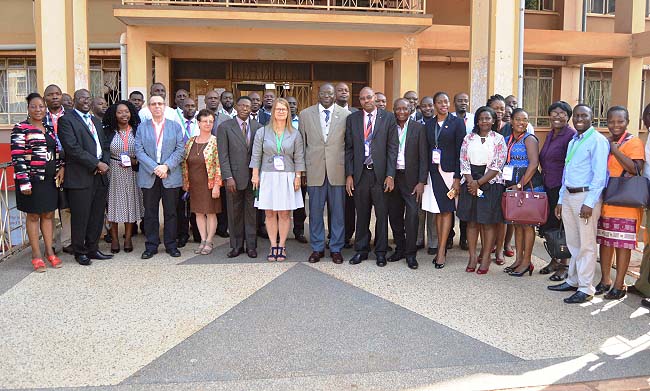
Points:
(358, 258)
(602, 288)
(578, 298)
(99, 255)
(432, 250)
(616, 294)
(300, 237)
(83, 260)
(234, 252)
(396, 256)
(223, 234)
(563, 287)
(251, 252)
(412, 263)
(68, 249)
(148, 254)
(381, 260)
(174, 252)
(463, 244)
(181, 242)
(347, 244)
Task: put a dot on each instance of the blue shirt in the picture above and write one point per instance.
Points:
(587, 167)
(294, 122)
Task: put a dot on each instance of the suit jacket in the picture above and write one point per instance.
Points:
(211, 157)
(416, 154)
(450, 140)
(171, 155)
(235, 152)
(81, 150)
(263, 117)
(383, 148)
(324, 157)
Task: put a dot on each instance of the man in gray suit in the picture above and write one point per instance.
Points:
(235, 142)
(160, 150)
(323, 129)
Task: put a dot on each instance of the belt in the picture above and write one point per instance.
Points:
(369, 166)
(577, 189)
(401, 170)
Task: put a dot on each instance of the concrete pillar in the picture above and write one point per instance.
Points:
(570, 85)
(77, 41)
(494, 45)
(627, 72)
(138, 61)
(51, 47)
(405, 69)
(162, 72)
(378, 76)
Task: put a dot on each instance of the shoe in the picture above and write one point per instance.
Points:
(148, 254)
(316, 256)
(563, 273)
(207, 248)
(563, 287)
(200, 247)
(174, 252)
(464, 245)
(181, 242)
(281, 254)
(83, 260)
(39, 265)
(578, 298)
(68, 249)
(469, 269)
(499, 261)
(223, 234)
(300, 237)
(529, 270)
(550, 268)
(115, 250)
(602, 288)
(616, 294)
(396, 256)
(645, 302)
(511, 268)
(55, 261)
(438, 265)
(251, 252)
(108, 238)
(381, 260)
(262, 233)
(99, 255)
(128, 249)
(337, 258)
(419, 246)
(358, 258)
(509, 253)
(347, 244)
(412, 263)
(234, 252)
(432, 250)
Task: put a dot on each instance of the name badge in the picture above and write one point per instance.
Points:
(366, 146)
(508, 172)
(126, 159)
(435, 156)
(278, 163)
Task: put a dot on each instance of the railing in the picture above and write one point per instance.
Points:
(12, 221)
(396, 6)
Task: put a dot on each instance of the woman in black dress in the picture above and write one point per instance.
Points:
(38, 170)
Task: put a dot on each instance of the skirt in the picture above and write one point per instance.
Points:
(482, 210)
(45, 195)
(276, 192)
(617, 232)
(434, 198)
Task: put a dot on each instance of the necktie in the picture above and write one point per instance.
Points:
(243, 129)
(327, 115)
(368, 130)
(188, 129)
(254, 115)
(91, 128)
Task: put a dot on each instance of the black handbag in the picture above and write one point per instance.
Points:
(555, 243)
(631, 191)
(62, 202)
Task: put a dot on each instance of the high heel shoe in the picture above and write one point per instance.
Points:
(439, 265)
(469, 269)
(499, 261)
(529, 270)
(510, 268)
(482, 271)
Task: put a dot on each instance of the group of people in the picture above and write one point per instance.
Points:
(240, 167)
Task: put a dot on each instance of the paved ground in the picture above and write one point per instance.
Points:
(208, 322)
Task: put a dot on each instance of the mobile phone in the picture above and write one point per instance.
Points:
(451, 194)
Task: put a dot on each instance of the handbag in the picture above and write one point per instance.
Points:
(555, 243)
(631, 191)
(62, 202)
(524, 207)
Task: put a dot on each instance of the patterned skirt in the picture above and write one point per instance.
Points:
(617, 232)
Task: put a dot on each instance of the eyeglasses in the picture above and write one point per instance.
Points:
(206, 121)
(555, 114)
(280, 109)
(520, 120)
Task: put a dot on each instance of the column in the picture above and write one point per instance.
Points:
(77, 44)
(163, 75)
(138, 61)
(51, 47)
(570, 85)
(378, 76)
(627, 72)
(494, 30)
(405, 69)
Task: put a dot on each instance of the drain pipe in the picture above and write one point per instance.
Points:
(520, 66)
(124, 94)
(581, 87)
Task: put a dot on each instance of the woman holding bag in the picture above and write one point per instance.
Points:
(520, 173)
(619, 225)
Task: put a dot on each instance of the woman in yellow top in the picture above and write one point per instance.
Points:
(618, 226)
(202, 179)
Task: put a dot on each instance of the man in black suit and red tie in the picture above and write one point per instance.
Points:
(371, 147)
(87, 156)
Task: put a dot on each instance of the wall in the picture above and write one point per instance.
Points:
(454, 12)
(103, 28)
(455, 80)
(543, 20)
(17, 22)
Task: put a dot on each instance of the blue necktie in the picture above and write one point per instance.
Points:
(327, 115)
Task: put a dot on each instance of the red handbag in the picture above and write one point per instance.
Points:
(524, 207)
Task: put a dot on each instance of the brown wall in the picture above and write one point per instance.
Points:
(543, 21)
(17, 22)
(455, 80)
(454, 12)
(102, 26)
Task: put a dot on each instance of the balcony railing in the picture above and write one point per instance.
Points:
(393, 6)
(13, 236)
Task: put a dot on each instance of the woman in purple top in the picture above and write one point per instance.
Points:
(551, 159)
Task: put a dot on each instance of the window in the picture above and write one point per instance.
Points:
(17, 80)
(105, 79)
(540, 5)
(602, 7)
(538, 95)
(598, 91)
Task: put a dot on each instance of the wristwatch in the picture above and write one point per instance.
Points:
(518, 185)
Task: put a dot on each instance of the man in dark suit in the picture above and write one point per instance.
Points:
(371, 147)
(257, 113)
(212, 103)
(412, 171)
(235, 142)
(342, 95)
(87, 155)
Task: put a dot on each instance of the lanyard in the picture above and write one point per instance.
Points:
(159, 136)
(438, 129)
(55, 120)
(125, 139)
(575, 146)
(620, 142)
(512, 143)
(278, 142)
(403, 138)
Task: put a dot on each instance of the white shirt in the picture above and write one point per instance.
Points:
(530, 129)
(231, 115)
(469, 121)
(91, 128)
(158, 137)
(401, 137)
(170, 114)
(325, 126)
(194, 128)
(413, 115)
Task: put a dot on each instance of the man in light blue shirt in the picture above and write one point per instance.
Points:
(584, 178)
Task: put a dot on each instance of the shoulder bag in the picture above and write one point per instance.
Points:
(555, 243)
(524, 207)
(631, 191)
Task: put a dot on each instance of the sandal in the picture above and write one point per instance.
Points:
(200, 247)
(54, 261)
(39, 265)
(281, 255)
(551, 267)
(499, 261)
(561, 273)
(207, 249)
(272, 255)
(508, 253)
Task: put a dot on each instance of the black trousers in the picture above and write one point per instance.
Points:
(87, 215)
(185, 219)
(368, 193)
(222, 218)
(242, 218)
(299, 215)
(151, 199)
(405, 230)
